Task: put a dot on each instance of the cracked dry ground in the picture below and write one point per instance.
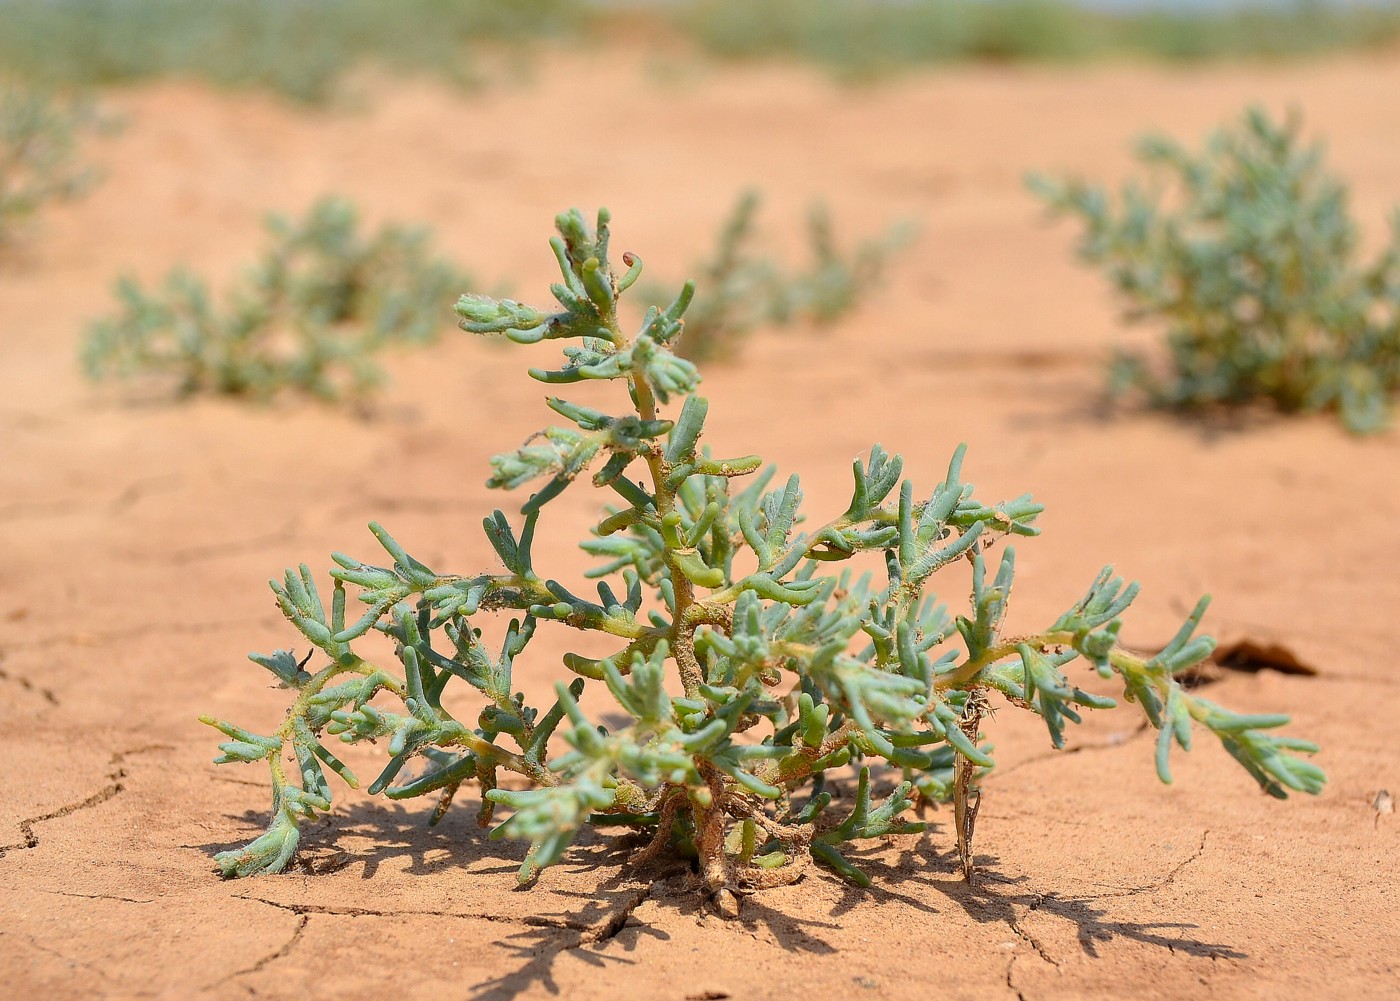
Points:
(136, 539)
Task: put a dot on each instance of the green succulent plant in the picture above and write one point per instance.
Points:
(311, 315)
(1246, 255)
(756, 661)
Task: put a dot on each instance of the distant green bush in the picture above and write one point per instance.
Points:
(1262, 30)
(865, 39)
(299, 48)
(40, 160)
(302, 48)
(745, 289)
(861, 39)
(1245, 252)
(310, 315)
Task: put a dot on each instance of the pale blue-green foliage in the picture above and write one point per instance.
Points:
(300, 49)
(303, 48)
(745, 673)
(1246, 255)
(40, 152)
(863, 822)
(312, 314)
(860, 40)
(743, 289)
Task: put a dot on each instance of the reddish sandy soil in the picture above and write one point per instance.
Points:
(136, 540)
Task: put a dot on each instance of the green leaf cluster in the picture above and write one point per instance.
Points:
(310, 315)
(1246, 254)
(743, 289)
(757, 656)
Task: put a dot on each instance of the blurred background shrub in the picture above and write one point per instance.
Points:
(868, 38)
(40, 156)
(742, 288)
(310, 315)
(1247, 255)
(302, 48)
(299, 48)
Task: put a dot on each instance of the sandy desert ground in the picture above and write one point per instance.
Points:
(137, 537)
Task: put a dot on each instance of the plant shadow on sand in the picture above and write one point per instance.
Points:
(1066, 392)
(603, 928)
(990, 899)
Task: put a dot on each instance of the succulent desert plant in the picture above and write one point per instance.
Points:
(748, 673)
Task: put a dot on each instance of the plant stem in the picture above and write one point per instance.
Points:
(1002, 650)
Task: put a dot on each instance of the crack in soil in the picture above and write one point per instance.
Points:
(609, 928)
(280, 952)
(1165, 881)
(1030, 940)
(1041, 899)
(115, 774)
(1010, 980)
(369, 912)
(97, 971)
(1028, 937)
(99, 896)
(45, 693)
(590, 933)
